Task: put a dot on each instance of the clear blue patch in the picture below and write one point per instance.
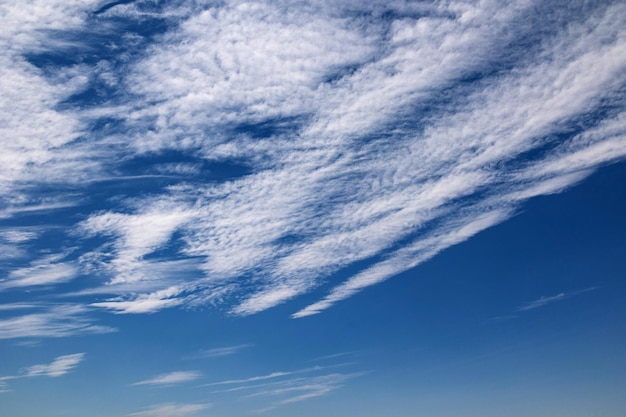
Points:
(111, 5)
(270, 127)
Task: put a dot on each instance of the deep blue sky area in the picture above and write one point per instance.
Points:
(254, 208)
(442, 339)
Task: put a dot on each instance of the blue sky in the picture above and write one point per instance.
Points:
(377, 208)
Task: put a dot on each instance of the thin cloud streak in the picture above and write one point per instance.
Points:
(282, 388)
(300, 389)
(406, 258)
(273, 375)
(171, 410)
(542, 301)
(248, 380)
(55, 321)
(171, 378)
(60, 366)
(219, 352)
(42, 272)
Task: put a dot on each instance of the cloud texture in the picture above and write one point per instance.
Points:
(250, 152)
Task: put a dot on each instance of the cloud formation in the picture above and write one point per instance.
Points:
(280, 388)
(251, 152)
(542, 301)
(39, 132)
(171, 410)
(221, 351)
(60, 366)
(51, 321)
(46, 271)
(171, 378)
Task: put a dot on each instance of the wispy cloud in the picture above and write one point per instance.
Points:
(171, 410)
(18, 236)
(60, 366)
(220, 351)
(412, 255)
(35, 129)
(248, 380)
(279, 388)
(53, 321)
(144, 303)
(299, 389)
(542, 301)
(138, 234)
(371, 135)
(339, 202)
(273, 375)
(171, 378)
(17, 306)
(4, 387)
(46, 271)
(38, 206)
(309, 388)
(333, 356)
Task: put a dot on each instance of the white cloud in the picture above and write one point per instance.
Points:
(364, 139)
(251, 379)
(138, 235)
(18, 236)
(321, 182)
(11, 252)
(220, 351)
(4, 387)
(16, 306)
(45, 271)
(241, 61)
(273, 375)
(171, 378)
(150, 303)
(280, 388)
(34, 130)
(421, 250)
(55, 321)
(30, 204)
(60, 366)
(300, 389)
(312, 389)
(542, 301)
(171, 410)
